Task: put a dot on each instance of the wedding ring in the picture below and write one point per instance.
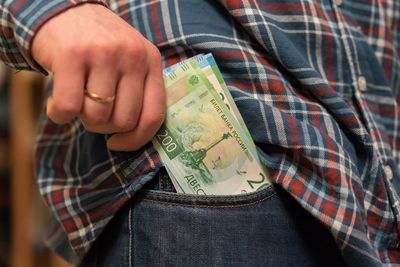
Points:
(100, 99)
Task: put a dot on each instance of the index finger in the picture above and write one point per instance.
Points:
(65, 102)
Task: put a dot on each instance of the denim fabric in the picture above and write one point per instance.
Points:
(161, 228)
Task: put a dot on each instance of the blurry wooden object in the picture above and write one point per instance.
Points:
(21, 136)
(24, 88)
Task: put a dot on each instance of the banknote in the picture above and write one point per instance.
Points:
(202, 144)
(208, 66)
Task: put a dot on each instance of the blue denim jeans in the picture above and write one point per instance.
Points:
(163, 228)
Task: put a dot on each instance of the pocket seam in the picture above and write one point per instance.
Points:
(199, 197)
(211, 206)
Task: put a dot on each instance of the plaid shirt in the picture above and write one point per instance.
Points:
(317, 83)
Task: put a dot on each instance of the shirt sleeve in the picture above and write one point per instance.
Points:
(20, 20)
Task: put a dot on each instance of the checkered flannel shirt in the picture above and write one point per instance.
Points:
(317, 83)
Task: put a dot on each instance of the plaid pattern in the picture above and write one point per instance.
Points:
(317, 83)
(20, 20)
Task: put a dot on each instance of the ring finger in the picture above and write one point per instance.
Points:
(98, 102)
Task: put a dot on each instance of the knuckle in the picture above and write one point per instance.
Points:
(67, 108)
(136, 51)
(135, 48)
(77, 52)
(103, 51)
(97, 118)
(126, 124)
(155, 120)
(104, 46)
(54, 118)
(154, 54)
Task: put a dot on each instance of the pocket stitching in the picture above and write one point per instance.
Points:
(210, 206)
(199, 197)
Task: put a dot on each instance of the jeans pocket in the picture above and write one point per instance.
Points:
(265, 228)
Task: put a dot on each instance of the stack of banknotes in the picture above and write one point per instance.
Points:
(204, 142)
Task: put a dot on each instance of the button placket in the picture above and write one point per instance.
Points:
(388, 172)
(362, 83)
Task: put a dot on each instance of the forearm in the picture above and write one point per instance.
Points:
(20, 20)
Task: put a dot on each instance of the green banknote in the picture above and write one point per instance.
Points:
(209, 67)
(204, 148)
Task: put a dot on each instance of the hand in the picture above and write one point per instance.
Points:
(89, 47)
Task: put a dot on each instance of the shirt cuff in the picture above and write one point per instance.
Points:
(22, 20)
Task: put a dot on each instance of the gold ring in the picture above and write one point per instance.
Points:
(100, 99)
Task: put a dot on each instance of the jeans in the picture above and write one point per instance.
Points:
(162, 228)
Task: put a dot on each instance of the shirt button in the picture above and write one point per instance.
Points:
(388, 172)
(362, 83)
(338, 2)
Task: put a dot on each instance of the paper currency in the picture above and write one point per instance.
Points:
(209, 67)
(204, 142)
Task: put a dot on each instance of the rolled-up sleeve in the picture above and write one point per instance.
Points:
(20, 20)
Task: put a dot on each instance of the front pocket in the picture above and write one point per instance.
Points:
(265, 228)
(201, 201)
(162, 191)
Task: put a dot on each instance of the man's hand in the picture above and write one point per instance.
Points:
(89, 47)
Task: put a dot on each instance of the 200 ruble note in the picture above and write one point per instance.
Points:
(201, 142)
